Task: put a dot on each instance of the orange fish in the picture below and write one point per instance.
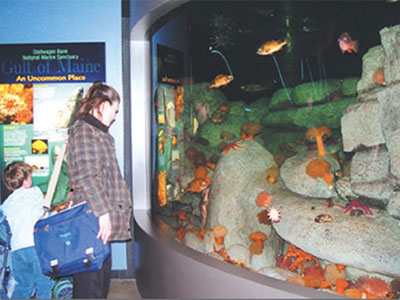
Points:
(198, 185)
(347, 44)
(271, 47)
(221, 80)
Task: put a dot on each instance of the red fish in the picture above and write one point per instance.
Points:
(347, 44)
(271, 47)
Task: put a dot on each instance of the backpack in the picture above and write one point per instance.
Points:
(5, 250)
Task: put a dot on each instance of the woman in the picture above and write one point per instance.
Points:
(93, 170)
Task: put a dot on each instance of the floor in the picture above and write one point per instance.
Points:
(123, 289)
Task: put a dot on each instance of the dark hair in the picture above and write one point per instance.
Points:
(95, 96)
(15, 173)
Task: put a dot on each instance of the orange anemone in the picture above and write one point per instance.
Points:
(317, 135)
(320, 168)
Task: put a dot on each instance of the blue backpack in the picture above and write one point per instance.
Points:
(5, 249)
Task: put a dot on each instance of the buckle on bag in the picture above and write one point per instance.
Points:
(54, 268)
(89, 257)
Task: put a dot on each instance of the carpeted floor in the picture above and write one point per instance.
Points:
(123, 289)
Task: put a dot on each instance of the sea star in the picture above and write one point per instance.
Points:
(357, 205)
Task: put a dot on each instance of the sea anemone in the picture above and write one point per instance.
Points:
(332, 273)
(263, 199)
(395, 287)
(219, 232)
(379, 77)
(352, 293)
(272, 174)
(201, 172)
(318, 135)
(341, 284)
(249, 130)
(320, 168)
(263, 217)
(258, 238)
(315, 272)
(274, 214)
(373, 285)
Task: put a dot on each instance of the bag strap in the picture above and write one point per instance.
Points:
(51, 187)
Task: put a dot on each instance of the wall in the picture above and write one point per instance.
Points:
(48, 21)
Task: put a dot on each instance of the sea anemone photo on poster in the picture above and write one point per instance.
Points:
(16, 102)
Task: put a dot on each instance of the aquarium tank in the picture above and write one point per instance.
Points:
(276, 139)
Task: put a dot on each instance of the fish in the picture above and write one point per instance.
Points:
(198, 185)
(221, 80)
(257, 87)
(271, 47)
(347, 44)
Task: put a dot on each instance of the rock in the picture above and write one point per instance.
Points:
(349, 86)
(389, 116)
(295, 178)
(209, 241)
(239, 253)
(265, 259)
(367, 243)
(277, 273)
(370, 165)
(390, 39)
(370, 176)
(279, 99)
(360, 125)
(376, 193)
(393, 206)
(327, 114)
(372, 61)
(311, 92)
(239, 177)
(343, 188)
(193, 241)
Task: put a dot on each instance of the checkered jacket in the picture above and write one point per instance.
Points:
(93, 169)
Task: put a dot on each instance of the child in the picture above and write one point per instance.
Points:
(22, 209)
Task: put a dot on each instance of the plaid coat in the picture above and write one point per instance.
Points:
(93, 168)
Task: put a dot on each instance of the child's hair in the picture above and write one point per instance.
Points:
(15, 173)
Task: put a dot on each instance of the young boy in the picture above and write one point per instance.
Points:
(23, 208)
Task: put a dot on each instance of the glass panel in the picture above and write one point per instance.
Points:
(275, 138)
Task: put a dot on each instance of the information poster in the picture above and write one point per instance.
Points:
(41, 88)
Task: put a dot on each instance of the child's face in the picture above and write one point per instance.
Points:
(27, 183)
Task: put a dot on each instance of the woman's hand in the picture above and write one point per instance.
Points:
(105, 227)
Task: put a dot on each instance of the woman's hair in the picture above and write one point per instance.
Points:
(95, 96)
(15, 173)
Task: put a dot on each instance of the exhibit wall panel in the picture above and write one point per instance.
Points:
(73, 21)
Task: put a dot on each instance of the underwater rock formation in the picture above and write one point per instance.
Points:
(363, 242)
(239, 177)
(295, 178)
(360, 126)
(370, 176)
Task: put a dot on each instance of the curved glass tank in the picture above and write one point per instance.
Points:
(276, 137)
